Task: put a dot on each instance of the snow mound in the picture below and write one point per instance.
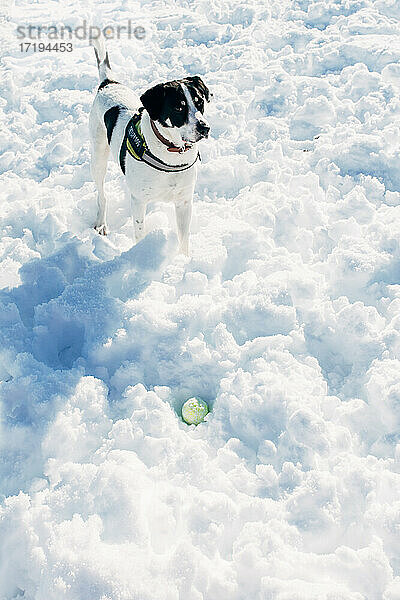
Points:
(285, 318)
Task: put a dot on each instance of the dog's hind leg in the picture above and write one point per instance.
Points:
(100, 151)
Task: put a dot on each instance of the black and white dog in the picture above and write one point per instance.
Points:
(153, 139)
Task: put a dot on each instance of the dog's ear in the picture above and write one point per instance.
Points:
(153, 100)
(199, 84)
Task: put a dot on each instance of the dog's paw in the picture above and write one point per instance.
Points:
(101, 229)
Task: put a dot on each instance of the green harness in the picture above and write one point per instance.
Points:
(135, 144)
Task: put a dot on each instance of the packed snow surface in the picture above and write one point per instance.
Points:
(285, 319)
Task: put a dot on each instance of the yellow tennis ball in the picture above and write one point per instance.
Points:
(194, 410)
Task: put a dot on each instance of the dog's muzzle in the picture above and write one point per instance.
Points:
(202, 129)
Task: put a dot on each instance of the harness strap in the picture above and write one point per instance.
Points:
(134, 143)
(158, 164)
(131, 129)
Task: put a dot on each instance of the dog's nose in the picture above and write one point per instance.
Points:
(203, 128)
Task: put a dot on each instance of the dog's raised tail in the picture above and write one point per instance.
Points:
(103, 62)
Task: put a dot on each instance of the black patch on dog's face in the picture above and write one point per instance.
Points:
(197, 88)
(175, 107)
(166, 102)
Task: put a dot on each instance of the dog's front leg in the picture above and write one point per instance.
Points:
(138, 211)
(183, 212)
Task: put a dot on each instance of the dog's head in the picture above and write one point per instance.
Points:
(179, 104)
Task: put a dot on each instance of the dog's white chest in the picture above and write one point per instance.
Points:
(151, 185)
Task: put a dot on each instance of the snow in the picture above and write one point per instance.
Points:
(284, 319)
